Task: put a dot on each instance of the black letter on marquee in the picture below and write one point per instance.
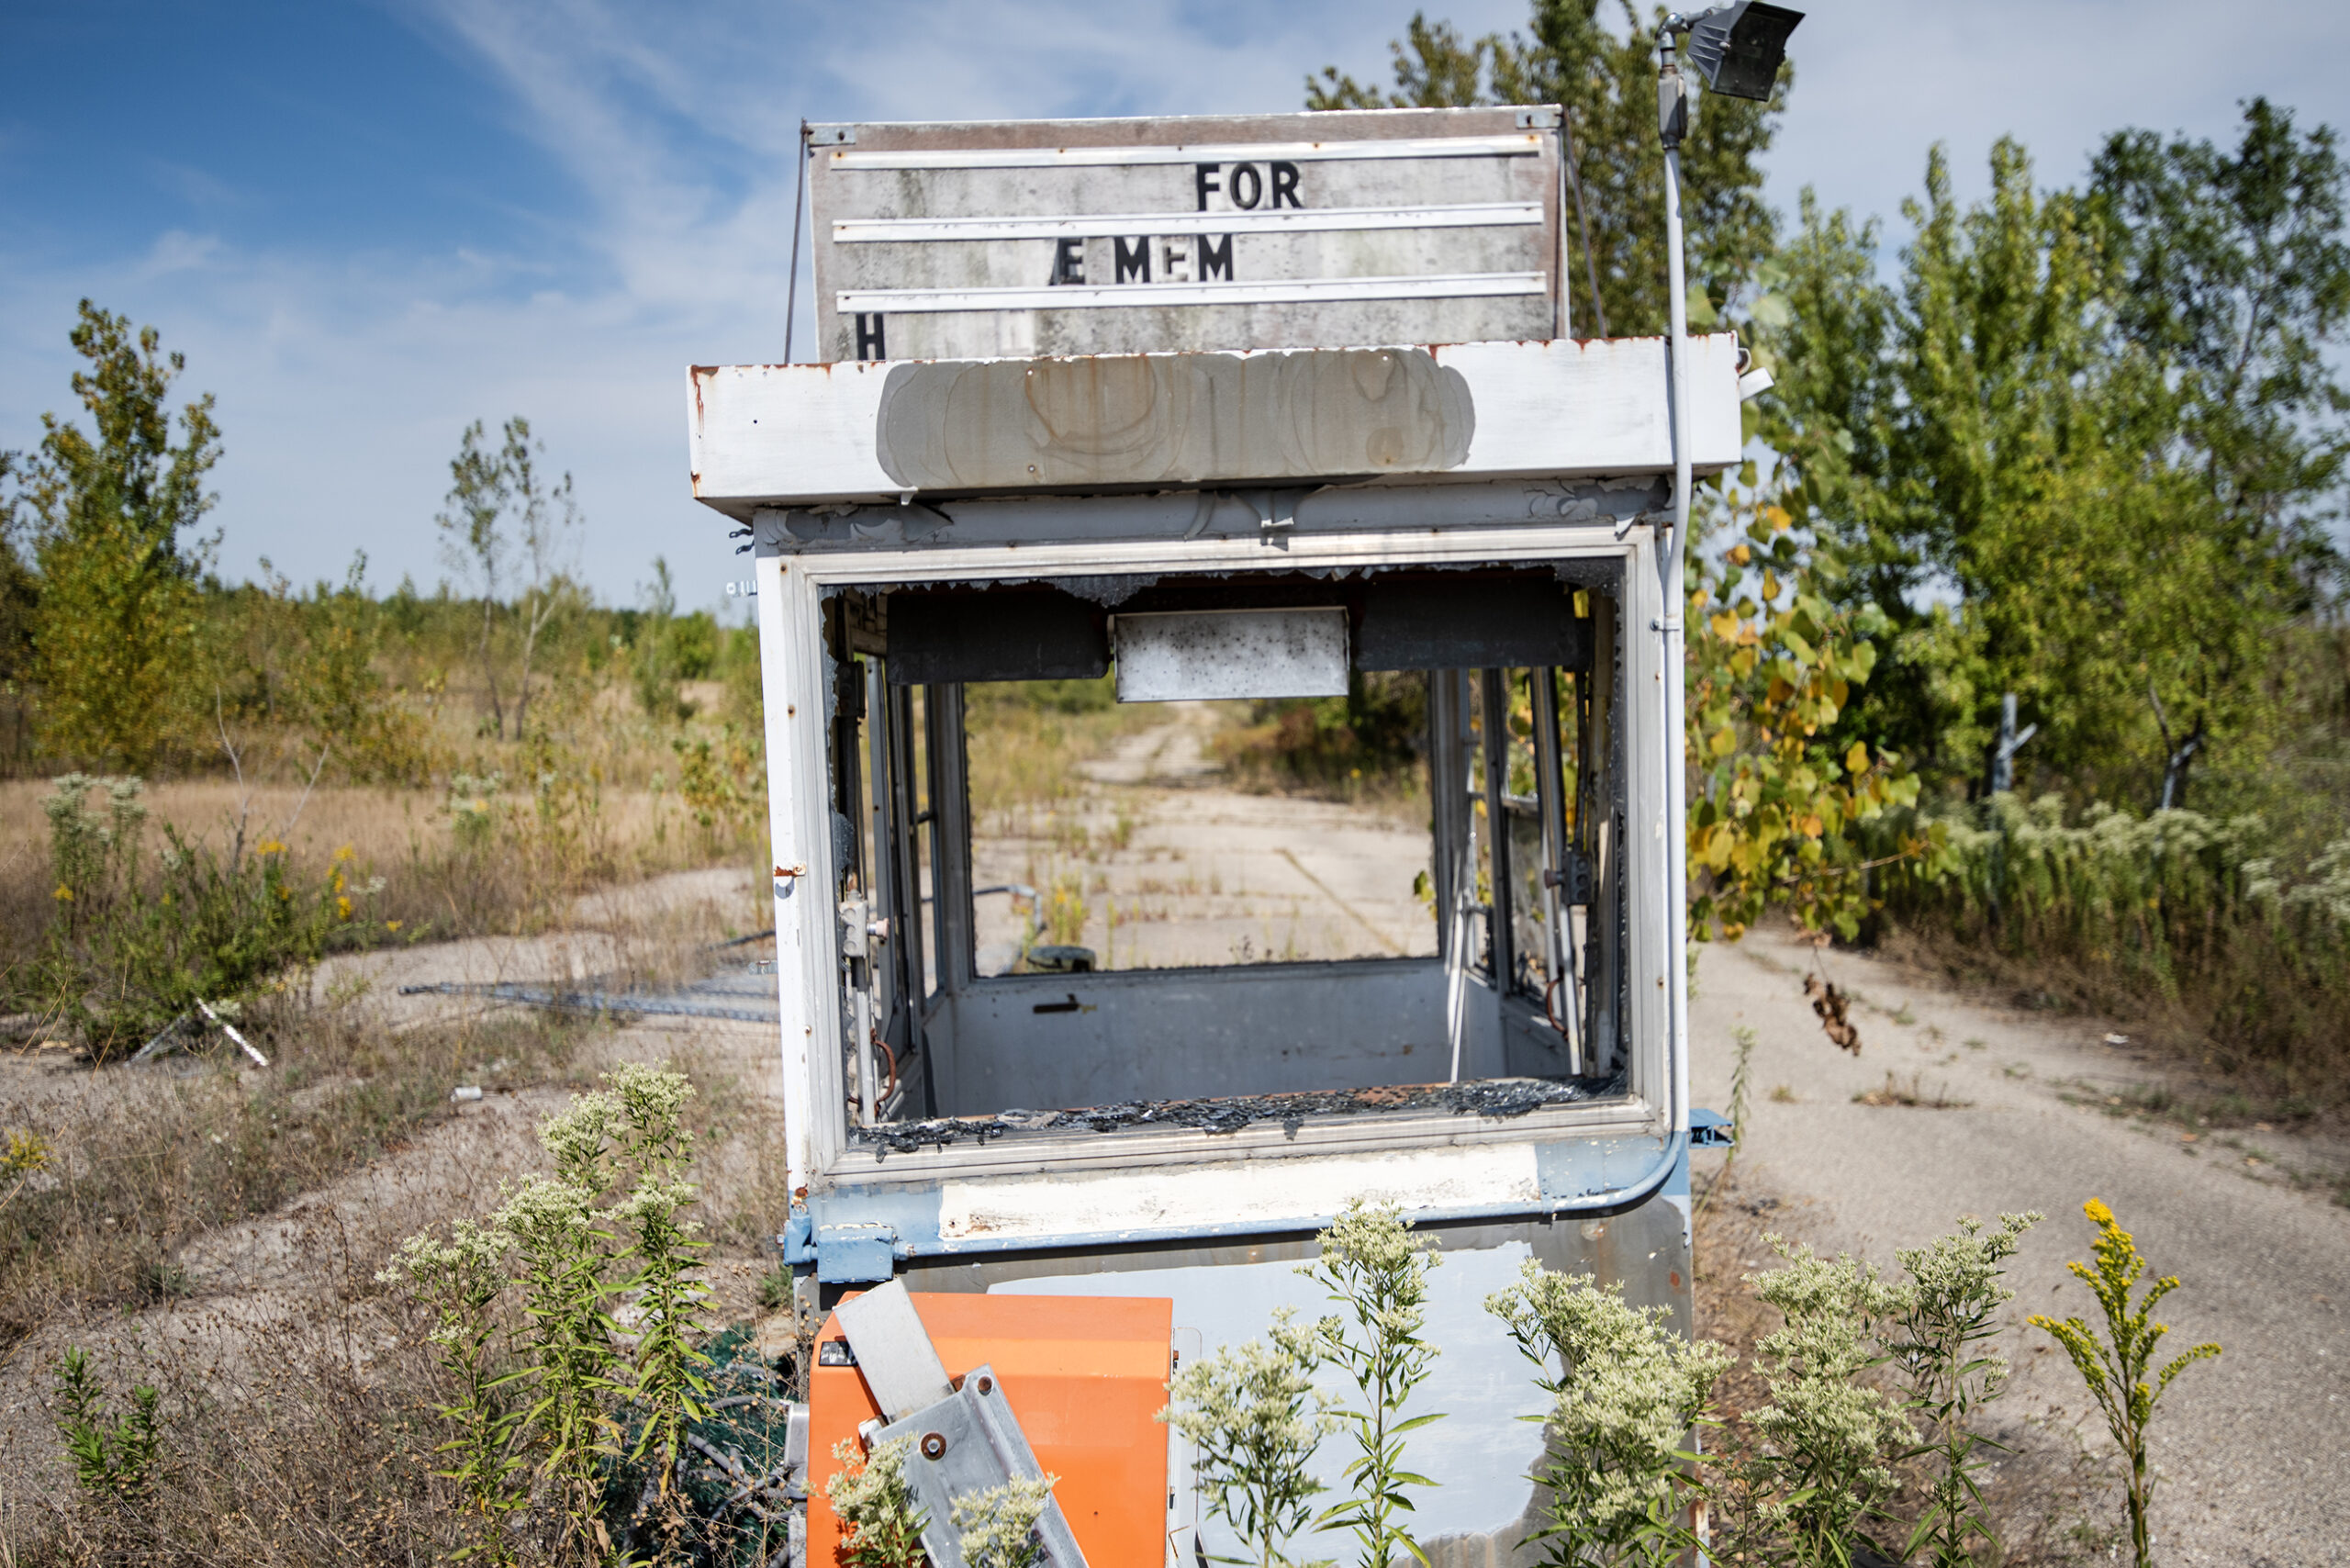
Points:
(1286, 186)
(1215, 257)
(868, 337)
(1247, 186)
(1133, 263)
(1203, 176)
(1069, 260)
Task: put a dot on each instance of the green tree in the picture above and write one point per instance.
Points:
(1991, 459)
(474, 548)
(2231, 268)
(546, 528)
(509, 528)
(658, 660)
(19, 589)
(114, 511)
(2229, 271)
(1605, 80)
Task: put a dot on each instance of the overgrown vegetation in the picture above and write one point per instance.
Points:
(1974, 454)
(1369, 742)
(2187, 925)
(882, 1524)
(1255, 1418)
(113, 1456)
(1376, 1274)
(121, 652)
(1869, 1382)
(608, 1225)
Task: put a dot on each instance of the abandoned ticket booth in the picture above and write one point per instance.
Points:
(1224, 411)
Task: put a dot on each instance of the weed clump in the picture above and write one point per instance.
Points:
(1255, 1418)
(2117, 1364)
(1626, 1393)
(997, 1527)
(124, 959)
(869, 1493)
(592, 1390)
(114, 1458)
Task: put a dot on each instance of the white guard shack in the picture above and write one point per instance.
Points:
(1237, 407)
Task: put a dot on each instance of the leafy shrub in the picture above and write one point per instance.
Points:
(1780, 802)
(126, 957)
(2178, 916)
(720, 783)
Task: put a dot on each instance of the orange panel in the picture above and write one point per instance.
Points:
(1087, 1377)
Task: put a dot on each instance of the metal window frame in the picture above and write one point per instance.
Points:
(792, 589)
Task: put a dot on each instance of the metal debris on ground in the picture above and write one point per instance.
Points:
(745, 995)
(174, 1037)
(1497, 1097)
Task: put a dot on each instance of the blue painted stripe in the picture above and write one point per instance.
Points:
(1576, 1177)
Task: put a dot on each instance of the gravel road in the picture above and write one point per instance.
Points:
(2043, 1113)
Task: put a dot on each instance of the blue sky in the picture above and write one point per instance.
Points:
(366, 223)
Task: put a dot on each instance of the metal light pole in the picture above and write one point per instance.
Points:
(1738, 49)
(1672, 122)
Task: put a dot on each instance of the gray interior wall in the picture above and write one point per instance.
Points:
(1182, 1034)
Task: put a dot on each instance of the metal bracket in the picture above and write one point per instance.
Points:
(1545, 118)
(966, 1439)
(901, 1367)
(832, 135)
(854, 1254)
(1573, 880)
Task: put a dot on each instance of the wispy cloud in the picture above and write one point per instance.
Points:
(175, 250)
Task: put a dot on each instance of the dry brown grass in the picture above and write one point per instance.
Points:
(543, 854)
(1025, 741)
(214, 1229)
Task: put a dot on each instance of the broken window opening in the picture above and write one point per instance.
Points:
(1061, 913)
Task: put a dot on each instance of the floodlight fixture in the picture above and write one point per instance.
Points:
(1738, 49)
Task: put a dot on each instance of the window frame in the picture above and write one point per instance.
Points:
(797, 669)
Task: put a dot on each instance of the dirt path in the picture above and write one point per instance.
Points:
(2040, 1113)
(1174, 867)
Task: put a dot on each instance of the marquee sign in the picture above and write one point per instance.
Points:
(1122, 236)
